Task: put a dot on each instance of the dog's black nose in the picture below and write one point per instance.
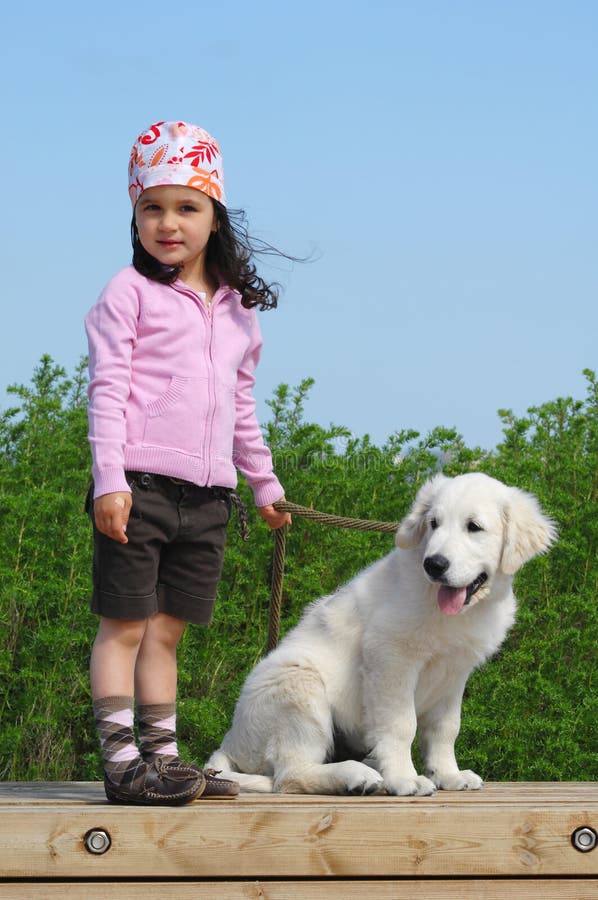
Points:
(436, 565)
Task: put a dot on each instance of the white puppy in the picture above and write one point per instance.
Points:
(389, 653)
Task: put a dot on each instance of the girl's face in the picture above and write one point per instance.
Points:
(174, 223)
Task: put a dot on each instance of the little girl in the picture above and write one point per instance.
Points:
(173, 345)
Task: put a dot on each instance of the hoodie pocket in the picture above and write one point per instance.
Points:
(176, 419)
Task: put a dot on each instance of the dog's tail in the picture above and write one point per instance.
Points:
(261, 784)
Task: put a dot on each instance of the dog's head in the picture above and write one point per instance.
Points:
(470, 528)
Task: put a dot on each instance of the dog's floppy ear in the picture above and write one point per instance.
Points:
(412, 528)
(527, 530)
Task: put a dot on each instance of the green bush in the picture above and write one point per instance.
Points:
(529, 714)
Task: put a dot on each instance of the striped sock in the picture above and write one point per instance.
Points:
(122, 762)
(157, 731)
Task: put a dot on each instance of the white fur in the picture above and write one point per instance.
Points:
(378, 659)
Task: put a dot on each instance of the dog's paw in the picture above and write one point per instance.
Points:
(360, 779)
(466, 780)
(419, 786)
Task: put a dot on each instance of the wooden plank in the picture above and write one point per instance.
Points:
(554, 889)
(78, 792)
(505, 830)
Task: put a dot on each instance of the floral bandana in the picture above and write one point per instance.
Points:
(176, 153)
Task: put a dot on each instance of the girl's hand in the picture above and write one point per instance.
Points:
(274, 518)
(111, 513)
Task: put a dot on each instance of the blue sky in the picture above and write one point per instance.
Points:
(438, 159)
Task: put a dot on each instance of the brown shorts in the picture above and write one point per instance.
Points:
(173, 559)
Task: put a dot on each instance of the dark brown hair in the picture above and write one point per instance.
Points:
(229, 258)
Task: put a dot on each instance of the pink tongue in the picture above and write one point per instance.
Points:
(451, 600)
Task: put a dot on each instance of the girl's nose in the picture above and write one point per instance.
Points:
(167, 221)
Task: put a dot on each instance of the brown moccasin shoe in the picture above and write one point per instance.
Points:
(164, 784)
(215, 788)
(218, 787)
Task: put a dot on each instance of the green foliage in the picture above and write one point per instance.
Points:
(529, 714)
(45, 628)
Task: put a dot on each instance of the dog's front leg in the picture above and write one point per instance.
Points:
(390, 726)
(438, 730)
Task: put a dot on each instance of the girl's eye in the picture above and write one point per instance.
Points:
(187, 208)
(433, 524)
(473, 527)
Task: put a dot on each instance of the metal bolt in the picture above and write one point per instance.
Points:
(97, 841)
(584, 839)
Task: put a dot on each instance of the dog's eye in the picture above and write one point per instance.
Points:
(433, 524)
(473, 526)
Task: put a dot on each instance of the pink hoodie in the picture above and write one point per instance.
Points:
(171, 385)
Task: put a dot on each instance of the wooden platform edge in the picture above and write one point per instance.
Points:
(460, 889)
(512, 831)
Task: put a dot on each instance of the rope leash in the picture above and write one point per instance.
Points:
(241, 510)
(280, 537)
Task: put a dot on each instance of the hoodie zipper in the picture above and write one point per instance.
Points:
(207, 310)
